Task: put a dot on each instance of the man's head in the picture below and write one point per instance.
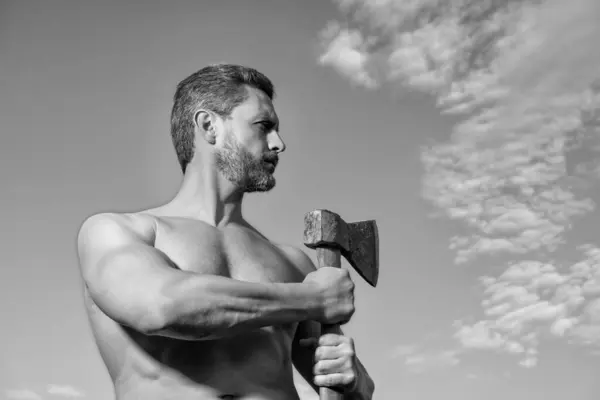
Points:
(227, 111)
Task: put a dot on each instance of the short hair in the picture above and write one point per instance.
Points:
(217, 87)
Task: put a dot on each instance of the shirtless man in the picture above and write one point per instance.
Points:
(187, 301)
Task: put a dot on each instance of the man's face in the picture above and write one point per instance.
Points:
(249, 151)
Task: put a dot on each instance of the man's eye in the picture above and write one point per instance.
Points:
(266, 126)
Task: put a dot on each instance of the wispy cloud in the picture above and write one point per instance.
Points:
(22, 394)
(432, 360)
(533, 300)
(520, 76)
(417, 359)
(64, 390)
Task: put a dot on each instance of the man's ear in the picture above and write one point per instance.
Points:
(205, 126)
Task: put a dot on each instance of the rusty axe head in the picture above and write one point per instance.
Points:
(358, 241)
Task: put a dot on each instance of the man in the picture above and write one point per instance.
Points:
(187, 300)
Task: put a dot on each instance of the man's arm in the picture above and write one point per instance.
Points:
(309, 331)
(138, 286)
(303, 359)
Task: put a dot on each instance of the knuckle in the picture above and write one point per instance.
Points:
(330, 381)
(347, 379)
(325, 380)
(318, 368)
(319, 353)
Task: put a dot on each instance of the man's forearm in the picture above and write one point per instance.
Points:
(204, 307)
(364, 385)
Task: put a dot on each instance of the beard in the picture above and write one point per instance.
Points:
(242, 169)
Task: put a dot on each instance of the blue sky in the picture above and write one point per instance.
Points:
(467, 133)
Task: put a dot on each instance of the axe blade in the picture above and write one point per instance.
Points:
(363, 252)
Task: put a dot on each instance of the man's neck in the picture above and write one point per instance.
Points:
(207, 196)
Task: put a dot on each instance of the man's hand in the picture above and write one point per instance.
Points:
(334, 362)
(336, 294)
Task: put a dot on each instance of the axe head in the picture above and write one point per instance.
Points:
(358, 242)
(363, 253)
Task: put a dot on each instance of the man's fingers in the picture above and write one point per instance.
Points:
(332, 339)
(329, 353)
(329, 340)
(333, 380)
(325, 367)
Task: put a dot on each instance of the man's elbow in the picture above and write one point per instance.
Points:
(146, 318)
(151, 324)
(153, 317)
(165, 320)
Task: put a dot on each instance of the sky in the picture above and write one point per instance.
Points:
(468, 129)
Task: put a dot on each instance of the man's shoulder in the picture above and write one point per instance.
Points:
(102, 225)
(298, 258)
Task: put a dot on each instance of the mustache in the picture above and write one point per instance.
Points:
(272, 158)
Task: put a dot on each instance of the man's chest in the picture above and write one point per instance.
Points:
(234, 251)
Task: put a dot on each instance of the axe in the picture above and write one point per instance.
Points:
(332, 237)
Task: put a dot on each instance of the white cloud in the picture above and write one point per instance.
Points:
(419, 360)
(346, 52)
(64, 390)
(528, 362)
(532, 300)
(480, 336)
(22, 394)
(426, 361)
(520, 77)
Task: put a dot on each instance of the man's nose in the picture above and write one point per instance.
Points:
(275, 142)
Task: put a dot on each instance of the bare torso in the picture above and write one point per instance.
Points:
(253, 366)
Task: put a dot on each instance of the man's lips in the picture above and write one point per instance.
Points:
(272, 162)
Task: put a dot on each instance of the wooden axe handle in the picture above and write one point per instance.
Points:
(329, 257)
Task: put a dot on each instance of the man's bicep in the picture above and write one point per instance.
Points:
(299, 259)
(124, 275)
